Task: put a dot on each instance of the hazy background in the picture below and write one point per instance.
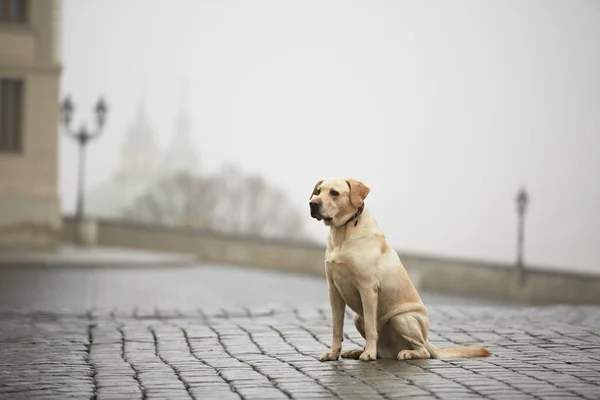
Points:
(444, 108)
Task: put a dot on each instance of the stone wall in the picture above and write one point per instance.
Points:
(443, 275)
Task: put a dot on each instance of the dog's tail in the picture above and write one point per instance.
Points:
(458, 351)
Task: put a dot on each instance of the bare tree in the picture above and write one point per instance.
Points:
(228, 202)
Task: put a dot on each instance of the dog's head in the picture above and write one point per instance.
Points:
(335, 201)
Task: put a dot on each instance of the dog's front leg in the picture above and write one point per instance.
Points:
(337, 318)
(369, 297)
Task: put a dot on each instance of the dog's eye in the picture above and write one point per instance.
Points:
(318, 192)
(334, 193)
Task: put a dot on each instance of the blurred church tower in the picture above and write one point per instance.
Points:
(138, 169)
(181, 154)
(139, 154)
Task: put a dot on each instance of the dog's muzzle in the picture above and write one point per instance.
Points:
(314, 210)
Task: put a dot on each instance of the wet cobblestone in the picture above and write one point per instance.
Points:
(272, 353)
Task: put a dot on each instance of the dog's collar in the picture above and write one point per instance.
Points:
(355, 216)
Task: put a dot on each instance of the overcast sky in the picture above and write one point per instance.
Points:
(444, 108)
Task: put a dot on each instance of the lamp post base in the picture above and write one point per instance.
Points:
(86, 233)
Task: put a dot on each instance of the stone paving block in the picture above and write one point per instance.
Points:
(272, 353)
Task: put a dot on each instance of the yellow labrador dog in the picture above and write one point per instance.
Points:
(365, 274)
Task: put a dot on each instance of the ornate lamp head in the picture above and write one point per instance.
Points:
(101, 109)
(66, 110)
(522, 200)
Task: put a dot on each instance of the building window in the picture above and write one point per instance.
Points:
(13, 10)
(11, 105)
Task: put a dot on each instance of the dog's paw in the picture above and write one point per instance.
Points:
(406, 355)
(368, 355)
(329, 356)
(352, 354)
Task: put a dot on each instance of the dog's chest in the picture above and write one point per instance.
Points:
(339, 264)
(343, 279)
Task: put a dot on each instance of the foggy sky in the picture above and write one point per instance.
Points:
(443, 108)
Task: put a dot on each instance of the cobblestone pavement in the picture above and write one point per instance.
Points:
(272, 353)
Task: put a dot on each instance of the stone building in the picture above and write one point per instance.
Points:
(29, 95)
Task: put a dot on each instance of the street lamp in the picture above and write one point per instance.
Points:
(522, 200)
(82, 136)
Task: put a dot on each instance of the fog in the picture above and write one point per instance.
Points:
(445, 109)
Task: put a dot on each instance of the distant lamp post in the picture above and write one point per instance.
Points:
(522, 201)
(82, 136)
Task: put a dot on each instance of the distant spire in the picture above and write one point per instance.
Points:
(140, 112)
(182, 124)
(181, 154)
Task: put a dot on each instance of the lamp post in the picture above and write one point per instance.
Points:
(522, 200)
(82, 136)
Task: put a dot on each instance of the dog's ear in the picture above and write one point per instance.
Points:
(358, 192)
(314, 191)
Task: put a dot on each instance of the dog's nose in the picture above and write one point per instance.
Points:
(314, 205)
(314, 209)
